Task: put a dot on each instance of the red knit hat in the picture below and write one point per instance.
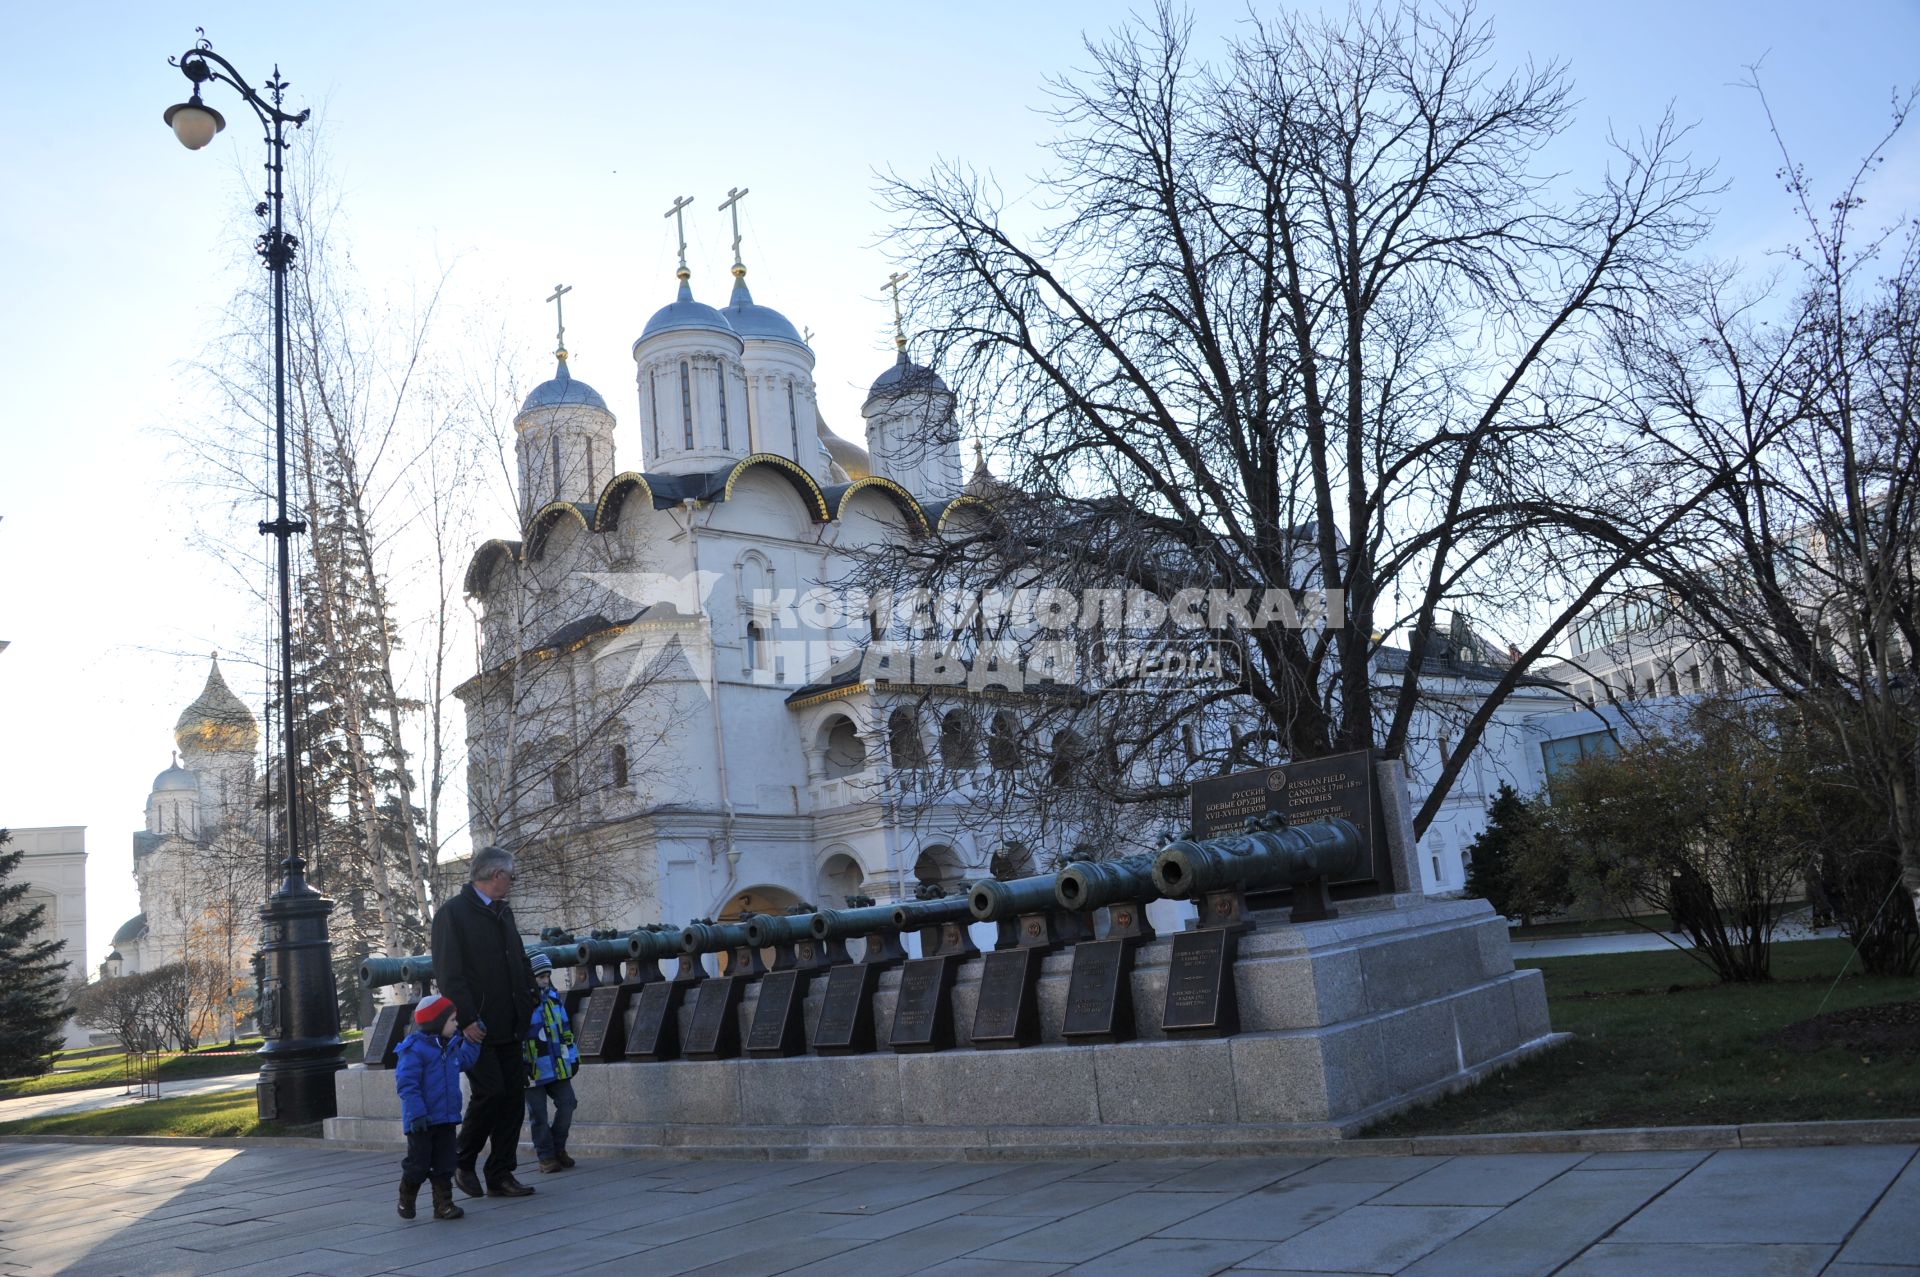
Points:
(429, 1012)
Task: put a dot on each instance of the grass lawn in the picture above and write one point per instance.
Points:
(106, 1066)
(1592, 927)
(222, 1113)
(1659, 1042)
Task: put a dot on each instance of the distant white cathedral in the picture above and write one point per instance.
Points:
(200, 807)
(638, 731)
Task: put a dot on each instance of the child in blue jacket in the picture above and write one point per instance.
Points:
(552, 1060)
(427, 1075)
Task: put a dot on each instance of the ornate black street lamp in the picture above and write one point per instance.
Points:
(297, 1011)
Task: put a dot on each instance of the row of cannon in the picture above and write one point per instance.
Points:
(1266, 855)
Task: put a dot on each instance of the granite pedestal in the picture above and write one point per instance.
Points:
(1396, 1001)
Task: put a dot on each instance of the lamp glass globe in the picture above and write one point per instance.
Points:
(194, 123)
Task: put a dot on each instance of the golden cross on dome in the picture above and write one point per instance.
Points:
(560, 319)
(680, 226)
(732, 202)
(899, 328)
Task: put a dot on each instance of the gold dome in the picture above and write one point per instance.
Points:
(854, 460)
(218, 722)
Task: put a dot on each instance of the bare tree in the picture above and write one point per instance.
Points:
(1803, 391)
(1306, 317)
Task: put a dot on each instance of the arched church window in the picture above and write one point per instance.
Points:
(720, 384)
(620, 766)
(756, 646)
(959, 742)
(1003, 743)
(653, 402)
(1067, 752)
(555, 449)
(937, 866)
(903, 740)
(562, 782)
(793, 421)
(846, 753)
(686, 401)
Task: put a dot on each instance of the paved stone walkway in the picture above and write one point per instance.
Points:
(111, 1097)
(295, 1209)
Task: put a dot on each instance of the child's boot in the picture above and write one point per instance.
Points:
(443, 1207)
(408, 1192)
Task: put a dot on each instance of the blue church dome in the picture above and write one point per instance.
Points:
(905, 378)
(563, 389)
(684, 313)
(763, 322)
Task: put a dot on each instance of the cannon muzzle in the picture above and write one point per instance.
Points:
(916, 914)
(377, 973)
(651, 946)
(713, 937)
(605, 951)
(850, 924)
(561, 955)
(1094, 884)
(991, 900)
(417, 969)
(764, 931)
(1262, 860)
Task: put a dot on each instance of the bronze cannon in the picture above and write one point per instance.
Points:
(1122, 887)
(1303, 857)
(377, 973)
(873, 923)
(941, 922)
(793, 942)
(1034, 902)
(743, 958)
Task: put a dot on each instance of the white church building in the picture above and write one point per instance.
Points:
(640, 733)
(199, 816)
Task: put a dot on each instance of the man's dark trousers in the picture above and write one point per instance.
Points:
(498, 1103)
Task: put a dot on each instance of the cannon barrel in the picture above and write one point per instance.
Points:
(418, 969)
(930, 913)
(1260, 860)
(765, 930)
(991, 900)
(561, 955)
(651, 946)
(604, 951)
(1094, 884)
(377, 973)
(849, 924)
(712, 937)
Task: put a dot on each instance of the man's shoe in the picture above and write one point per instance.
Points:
(467, 1182)
(566, 1163)
(548, 1165)
(508, 1186)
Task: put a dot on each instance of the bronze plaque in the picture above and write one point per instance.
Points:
(714, 1033)
(383, 1039)
(1200, 991)
(846, 1010)
(923, 1013)
(653, 1029)
(602, 1034)
(1008, 1012)
(1100, 992)
(1339, 786)
(779, 1022)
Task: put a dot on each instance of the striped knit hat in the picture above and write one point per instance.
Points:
(541, 962)
(430, 1012)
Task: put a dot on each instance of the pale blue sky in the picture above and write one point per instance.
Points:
(525, 147)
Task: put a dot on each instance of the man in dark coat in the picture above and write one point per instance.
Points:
(480, 962)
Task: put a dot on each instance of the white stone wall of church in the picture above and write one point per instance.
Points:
(55, 871)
